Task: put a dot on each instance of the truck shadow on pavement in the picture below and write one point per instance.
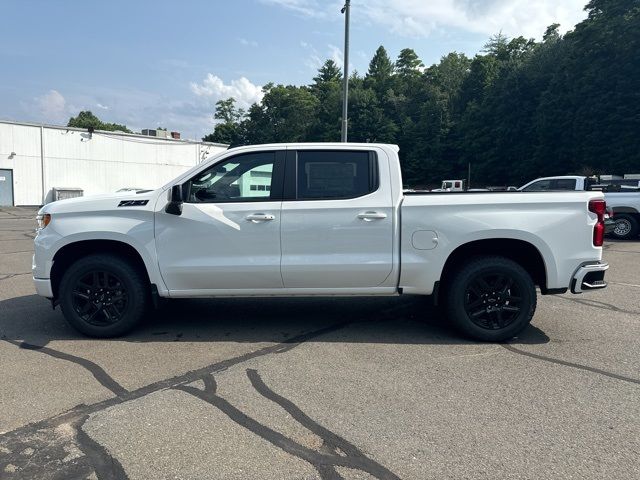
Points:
(410, 320)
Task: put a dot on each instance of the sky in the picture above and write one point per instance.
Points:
(163, 63)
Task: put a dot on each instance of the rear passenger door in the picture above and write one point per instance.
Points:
(337, 219)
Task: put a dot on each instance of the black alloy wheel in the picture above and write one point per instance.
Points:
(104, 295)
(100, 298)
(492, 300)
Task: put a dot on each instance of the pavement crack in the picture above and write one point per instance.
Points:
(106, 467)
(96, 370)
(557, 361)
(185, 378)
(7, 276)
(325, 463)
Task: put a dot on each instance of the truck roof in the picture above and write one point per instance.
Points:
(340, 145)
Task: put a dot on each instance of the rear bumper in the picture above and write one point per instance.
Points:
(43, 287)
(589, 277)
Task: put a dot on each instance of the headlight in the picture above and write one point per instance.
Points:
(43, 220)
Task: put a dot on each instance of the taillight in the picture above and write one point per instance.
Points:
(599, 207)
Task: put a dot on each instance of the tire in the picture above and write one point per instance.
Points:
(626, 227)
(103, 295)
(491, 299)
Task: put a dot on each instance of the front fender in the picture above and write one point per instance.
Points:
(134, 229)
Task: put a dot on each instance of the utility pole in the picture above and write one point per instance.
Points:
(345, 71)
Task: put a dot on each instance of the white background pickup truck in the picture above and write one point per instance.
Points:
(316, 219)
(624, 204)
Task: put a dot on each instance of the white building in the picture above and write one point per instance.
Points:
(35, 159)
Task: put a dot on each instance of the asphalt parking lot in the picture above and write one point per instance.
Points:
(318, 388)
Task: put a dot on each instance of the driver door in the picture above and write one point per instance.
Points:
(228, 236)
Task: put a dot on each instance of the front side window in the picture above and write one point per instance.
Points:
(540, 186)
(335, 174)
(243, 178)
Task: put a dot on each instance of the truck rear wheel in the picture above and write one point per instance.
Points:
(103, 295)
(491, 299)
(626, 227)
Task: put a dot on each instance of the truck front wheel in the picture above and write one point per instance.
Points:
(491, 299)
(103, 295)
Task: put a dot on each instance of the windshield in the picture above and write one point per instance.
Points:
(192, 170)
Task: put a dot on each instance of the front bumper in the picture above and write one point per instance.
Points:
(43, 287)
(589, 277)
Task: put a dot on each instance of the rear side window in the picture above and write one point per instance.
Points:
(539, 186)
(335, 174)
(565, 184)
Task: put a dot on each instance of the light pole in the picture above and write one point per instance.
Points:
(345, 72)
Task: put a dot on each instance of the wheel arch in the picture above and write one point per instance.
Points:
(629, 210)
(520, 251)
(71, 252)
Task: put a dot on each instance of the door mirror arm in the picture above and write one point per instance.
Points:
(174, 207)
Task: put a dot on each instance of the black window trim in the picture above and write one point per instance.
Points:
(277, 179)
(290, 192)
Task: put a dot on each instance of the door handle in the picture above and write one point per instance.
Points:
(368, 216)
(260, 217)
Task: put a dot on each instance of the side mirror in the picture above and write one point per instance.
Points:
(174, 207)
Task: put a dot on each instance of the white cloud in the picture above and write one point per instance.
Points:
(137, 109)
(418, 18)
(308, 8)
(248, 43)
(213, 87)
(315, 60)
(52, 106)
(335, 53)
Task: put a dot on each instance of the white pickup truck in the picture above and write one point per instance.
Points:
(316, 219)
(625, 204)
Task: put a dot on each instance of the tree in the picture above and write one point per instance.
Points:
(230, 129)
(329, 72)
(227, 112)
(327, 88)
(286, 114)
(378, 76)
(597, 8)
(552, 32)
(408, 64)
(86, 119)
(368, 122)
